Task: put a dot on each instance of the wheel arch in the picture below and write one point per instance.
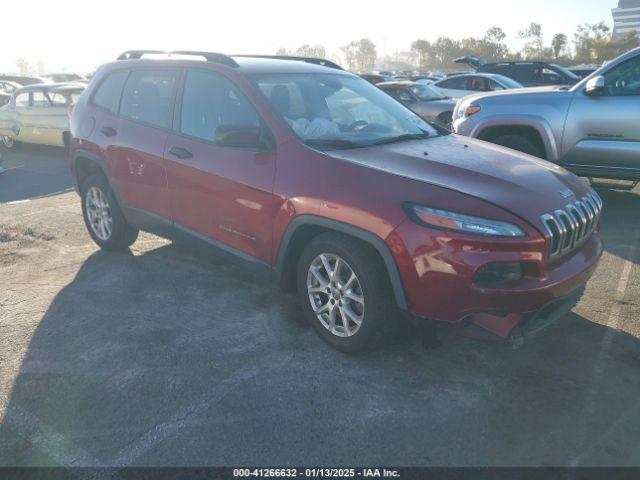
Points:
(85, 163)
(539, 128)
(305, 227)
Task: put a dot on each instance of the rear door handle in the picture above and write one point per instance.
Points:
(108, 131)
(180, 152)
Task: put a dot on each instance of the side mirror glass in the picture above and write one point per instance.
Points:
(239, 136)
(595, 86)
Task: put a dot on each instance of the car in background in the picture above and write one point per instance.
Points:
(65, 78)
(529, 74)
(6, 90)
(592, 129)
(462, 85)
(23, 80)
(334, 190)
(39, 114)
(7, 86)
(429, 103)
(375, 78)
(582, 71)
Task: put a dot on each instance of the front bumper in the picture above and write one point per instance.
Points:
(438, 277)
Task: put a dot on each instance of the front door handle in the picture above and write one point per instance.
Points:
(108, 131)
(180, 152)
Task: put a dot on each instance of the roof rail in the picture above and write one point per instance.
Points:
(208, 56)
(316, 61)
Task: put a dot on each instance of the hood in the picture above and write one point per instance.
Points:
(521, 94)
(521, 184)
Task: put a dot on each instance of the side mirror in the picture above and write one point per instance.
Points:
(595, 86)
(239, 136)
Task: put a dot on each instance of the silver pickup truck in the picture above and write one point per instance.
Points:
(592, 128)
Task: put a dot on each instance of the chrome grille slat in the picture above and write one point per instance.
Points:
(569, 227)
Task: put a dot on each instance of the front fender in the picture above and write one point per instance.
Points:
(538, 123)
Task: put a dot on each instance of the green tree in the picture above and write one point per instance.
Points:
(422, 49)
(559, 44)
(534, 46)
(360, 55)
(23, 66)
(317, 51)
(445, 50)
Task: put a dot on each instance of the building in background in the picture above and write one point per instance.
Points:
(626, 18)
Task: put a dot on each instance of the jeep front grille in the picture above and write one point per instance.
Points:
(572, 225)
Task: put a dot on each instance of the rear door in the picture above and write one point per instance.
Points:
(602, 132)
(220, 191)
(146, 115)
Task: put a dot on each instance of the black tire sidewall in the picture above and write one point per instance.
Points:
(519, 143)
(374, 289)
(122, 234)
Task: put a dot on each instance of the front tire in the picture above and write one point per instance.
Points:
(345, 291)
(102, 215)
(519, 143)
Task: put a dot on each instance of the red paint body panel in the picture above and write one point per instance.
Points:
(246, 199)
(224, 194)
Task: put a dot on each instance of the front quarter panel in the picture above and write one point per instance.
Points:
(545, 112)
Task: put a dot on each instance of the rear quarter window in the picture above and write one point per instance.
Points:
(108, 92)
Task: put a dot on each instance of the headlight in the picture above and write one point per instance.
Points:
(445, 220)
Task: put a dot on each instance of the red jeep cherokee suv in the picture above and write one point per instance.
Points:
(338, 190)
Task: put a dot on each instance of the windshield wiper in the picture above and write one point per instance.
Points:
(331, 143)
(403, 138)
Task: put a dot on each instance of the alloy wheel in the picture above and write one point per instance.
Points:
(8, 141)
(99, 213)
(336, 295)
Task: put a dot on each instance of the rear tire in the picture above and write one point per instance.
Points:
(519, 143)
(353, 311)
(102, 215)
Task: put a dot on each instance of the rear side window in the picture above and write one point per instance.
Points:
(210, 101)
(108, 93)
(454, 83)
(148, 97)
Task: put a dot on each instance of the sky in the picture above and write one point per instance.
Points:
(79, 35)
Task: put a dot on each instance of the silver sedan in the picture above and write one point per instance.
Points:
(423, 99)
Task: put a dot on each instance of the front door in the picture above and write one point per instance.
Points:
(221, 168)
(602, 132)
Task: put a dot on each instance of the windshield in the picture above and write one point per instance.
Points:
(508, 82)
(566, 72)
(426, 93)
(338, 111)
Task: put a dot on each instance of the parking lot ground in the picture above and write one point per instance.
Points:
(160, 357)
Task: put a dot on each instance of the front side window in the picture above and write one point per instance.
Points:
(340, 111)
(401, 94)
(426, 93)
(453, 83)
(108, 93)
(211, 104)
(624, 79)
(148, 97)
